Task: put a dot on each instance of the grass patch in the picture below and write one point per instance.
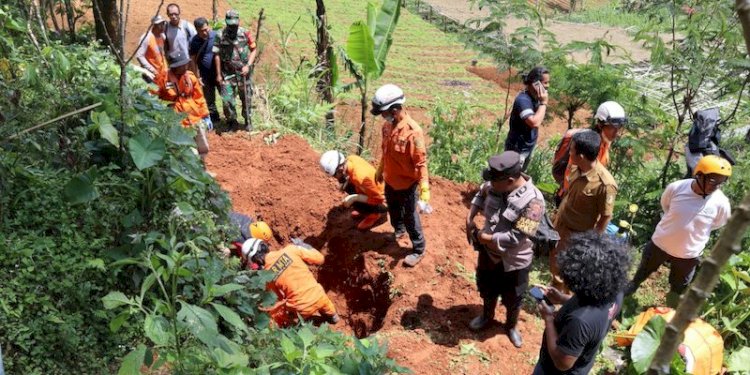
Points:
(608, 14)
(421, 60)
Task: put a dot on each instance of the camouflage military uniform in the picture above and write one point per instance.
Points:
(234, 54)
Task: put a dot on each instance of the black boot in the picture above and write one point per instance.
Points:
(488, 313)
(510, 326)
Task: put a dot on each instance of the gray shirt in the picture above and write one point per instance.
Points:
(178, 37)
(511, 218)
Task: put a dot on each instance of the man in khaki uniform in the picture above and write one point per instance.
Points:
(590, 200)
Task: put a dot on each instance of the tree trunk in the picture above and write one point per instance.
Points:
(729, 243)
(324, 51)
(363, 119)
(106, 21)
(71, 17)
(215, 10)
(571, 113)
(51, 9)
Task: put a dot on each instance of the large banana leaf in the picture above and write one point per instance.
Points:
(383, 33)
(361, 49)
(372, 17)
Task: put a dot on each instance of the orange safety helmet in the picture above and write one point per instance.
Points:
(712, 164)
(261, 231)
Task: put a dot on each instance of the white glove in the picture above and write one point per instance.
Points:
(424, 207)
(349, 200)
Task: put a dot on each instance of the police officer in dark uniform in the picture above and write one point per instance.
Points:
(513, 208)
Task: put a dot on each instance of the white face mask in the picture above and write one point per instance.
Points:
(389, 117)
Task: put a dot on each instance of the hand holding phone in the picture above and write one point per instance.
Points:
(538, 295)
(541, 92)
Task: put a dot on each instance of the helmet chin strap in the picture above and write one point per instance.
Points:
(701, 185)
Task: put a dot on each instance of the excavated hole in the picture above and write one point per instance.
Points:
(362, 297)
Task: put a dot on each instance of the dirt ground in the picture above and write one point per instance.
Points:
(565, 32)
(423, 312)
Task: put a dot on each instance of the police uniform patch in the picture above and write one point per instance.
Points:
(528, 223)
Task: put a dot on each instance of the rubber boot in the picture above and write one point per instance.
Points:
(510, 325)
(488, 314)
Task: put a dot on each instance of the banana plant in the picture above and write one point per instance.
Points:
(366, 51)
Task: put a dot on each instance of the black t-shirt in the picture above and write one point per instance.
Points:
(580, 331)
(521, 137)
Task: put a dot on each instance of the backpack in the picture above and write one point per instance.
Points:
(704, 138)
(705, 133)
(546, 237)
(562, 156)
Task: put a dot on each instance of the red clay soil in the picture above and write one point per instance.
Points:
(424, 311)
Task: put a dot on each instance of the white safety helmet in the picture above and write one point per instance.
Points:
(386, 97)
(612, 113)
(330, 160)
(251, 247)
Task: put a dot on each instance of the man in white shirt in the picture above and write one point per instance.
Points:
(692, 209)
(178, 31)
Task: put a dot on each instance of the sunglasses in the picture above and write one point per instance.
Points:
(715, 181)
(173, 14)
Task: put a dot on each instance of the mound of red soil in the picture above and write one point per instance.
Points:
(424, 311)
(490, 73)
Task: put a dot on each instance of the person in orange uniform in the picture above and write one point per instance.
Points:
(294, 284)
(184, 89)
(610, 118)
(357, 179)
(403, 167)
(150, 53)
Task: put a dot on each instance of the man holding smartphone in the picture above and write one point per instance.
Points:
(595, 268)
(513, 208)
(529, 109)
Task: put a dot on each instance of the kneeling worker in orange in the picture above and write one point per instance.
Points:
(293, 282)
(183, 88)
(357, 179)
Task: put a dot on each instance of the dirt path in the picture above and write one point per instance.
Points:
(423, 312)
(565, 32)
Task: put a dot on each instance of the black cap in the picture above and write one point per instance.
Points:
(507, 164)
(177, 58)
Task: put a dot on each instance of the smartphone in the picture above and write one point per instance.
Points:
(538, 295)
(538, 86)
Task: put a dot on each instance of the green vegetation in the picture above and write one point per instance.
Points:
(612, 13)
(423, 60)
(110, 232)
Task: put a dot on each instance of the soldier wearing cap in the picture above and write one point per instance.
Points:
(513, 208)
(234, 54)
(589, 202)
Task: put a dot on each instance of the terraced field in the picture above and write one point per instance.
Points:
(418, 47)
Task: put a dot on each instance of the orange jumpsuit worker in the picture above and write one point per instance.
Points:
(357, 178)
(403, 167)
(293, 282)
(183, 88)
(610, 118)
(150, 53)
